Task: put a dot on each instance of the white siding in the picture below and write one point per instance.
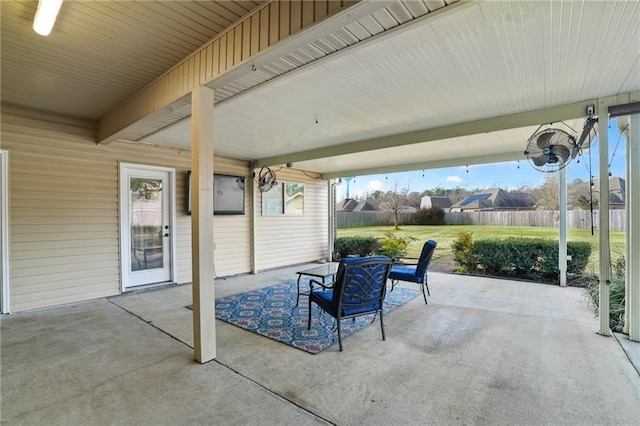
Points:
(292, 239)
(64, 210)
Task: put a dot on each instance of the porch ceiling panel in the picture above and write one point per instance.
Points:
(370, 79)
(489, 60)
(102, 52)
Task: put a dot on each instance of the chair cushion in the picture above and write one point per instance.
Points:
(324, 300)
(347, 311)
(405, 273)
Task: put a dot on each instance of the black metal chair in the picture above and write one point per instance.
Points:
(359, 289)
(414, 272)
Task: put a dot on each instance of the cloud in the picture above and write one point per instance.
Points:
(374, 185)
(454, 179)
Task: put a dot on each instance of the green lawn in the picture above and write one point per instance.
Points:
(444, 235)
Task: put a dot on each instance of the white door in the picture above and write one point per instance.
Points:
(146, 197)
(4, 232)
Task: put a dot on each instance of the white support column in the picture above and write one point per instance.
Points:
(255, 212)
(633, 232)
(331, 192)
(605, 267)
(204, 319)
(623, 128)
(5, 307)
(562, 246)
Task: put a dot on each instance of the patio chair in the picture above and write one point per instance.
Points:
(359, 289)
(414, 272)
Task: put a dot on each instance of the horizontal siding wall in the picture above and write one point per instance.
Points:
(64, 210)
(292, 239)
(231, 234)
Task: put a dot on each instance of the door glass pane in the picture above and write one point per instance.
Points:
(146, 223)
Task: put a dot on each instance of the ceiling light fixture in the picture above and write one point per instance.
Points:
(46, 16)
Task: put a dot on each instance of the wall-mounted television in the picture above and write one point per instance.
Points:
(228, 194)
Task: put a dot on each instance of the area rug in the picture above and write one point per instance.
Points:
(272, 312)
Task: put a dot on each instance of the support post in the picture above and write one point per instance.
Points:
(255, 212)
(605, 266)
(204, 325)
(562, 246)
(331, 197)
(633, 232)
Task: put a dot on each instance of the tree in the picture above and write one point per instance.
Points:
(395, 199)
(578, 195)
(547, 195)
(414, 199)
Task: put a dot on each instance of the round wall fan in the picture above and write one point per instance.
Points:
(266, 179)
(550, 150)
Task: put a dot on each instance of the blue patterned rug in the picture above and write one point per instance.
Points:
(272, 312)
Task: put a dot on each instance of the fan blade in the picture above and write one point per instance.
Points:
(562, 151)
(541, 160)
(544, 139)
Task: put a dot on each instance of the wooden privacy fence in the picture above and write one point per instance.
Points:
(578, 219)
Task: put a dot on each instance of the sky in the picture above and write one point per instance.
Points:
(509, 175)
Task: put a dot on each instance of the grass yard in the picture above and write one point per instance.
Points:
(444, 235)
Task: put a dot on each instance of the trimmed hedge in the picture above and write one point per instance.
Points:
(431, 216)
(356, 246)
(526, 258)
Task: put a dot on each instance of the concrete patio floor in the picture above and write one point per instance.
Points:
(484, 351)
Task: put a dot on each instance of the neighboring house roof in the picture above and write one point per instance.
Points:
(496, 199)
(617, 190)
(361, 207)
(351, 205)
(348, 205)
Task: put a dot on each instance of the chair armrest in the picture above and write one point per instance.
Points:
(323, 285)
(406, 261)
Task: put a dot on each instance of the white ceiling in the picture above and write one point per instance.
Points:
(443, 85)
(487, 60)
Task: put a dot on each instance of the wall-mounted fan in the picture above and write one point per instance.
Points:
(266, 179)
(551, 149)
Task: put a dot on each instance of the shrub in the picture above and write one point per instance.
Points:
(534, 259)
(431, 216)
(356, 246)
(462, 252)
(616, 294)
(393, 245)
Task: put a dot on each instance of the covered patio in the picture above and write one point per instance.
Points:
(484, 351)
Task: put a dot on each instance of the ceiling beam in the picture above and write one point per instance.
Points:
(208, 66)
(528, 118)
(427, 165)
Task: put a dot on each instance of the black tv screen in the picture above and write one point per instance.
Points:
(228, 194)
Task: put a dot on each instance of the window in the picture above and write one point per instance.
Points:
(284, 198)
